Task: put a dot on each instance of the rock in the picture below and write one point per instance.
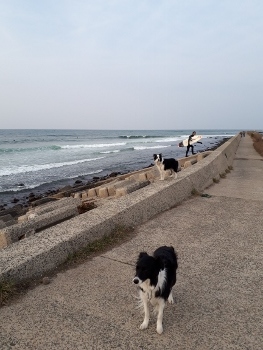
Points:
(46, 280)
(78, 182)
(15, 200)
(114, 174)
(65, 188)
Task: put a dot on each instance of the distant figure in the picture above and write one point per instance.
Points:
(189, 145)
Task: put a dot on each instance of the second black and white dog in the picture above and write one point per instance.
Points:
(155, 276)
(163, 164)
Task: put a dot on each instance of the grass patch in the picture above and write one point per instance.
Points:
(215, 180)
(86, 206)
(230, 167)
(11, 291)
(194, 192)
(119, 235)
(7, 289)
(222, 175)
(227, 171)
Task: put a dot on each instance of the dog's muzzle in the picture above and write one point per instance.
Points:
(136, 280)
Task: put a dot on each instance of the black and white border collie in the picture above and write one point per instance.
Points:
(166, 164)
(155, 276)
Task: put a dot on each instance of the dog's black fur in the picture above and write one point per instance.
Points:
(164, 164)
(156, 276)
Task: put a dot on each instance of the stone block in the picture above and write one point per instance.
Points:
(39, 223)
(150, 175)
(48, 207)
(10, 222)
(121, 192)
(3, 241)
(58, 195)
(2, 224)
(136, 186)
(111, 190)
(199, 157)
(132, 177)
(92, 193)
(6, 217)
(84, 195)
(22, 218)
(187, 164)
(142, 177)
(103, 192)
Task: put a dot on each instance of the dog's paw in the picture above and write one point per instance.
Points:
(171, 299)
(144, 325)
(159, 329)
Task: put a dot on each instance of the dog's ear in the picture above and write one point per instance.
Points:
(142, 254)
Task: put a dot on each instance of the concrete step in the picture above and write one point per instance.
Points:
(38, 223)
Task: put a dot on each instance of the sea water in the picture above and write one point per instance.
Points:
(38, 160)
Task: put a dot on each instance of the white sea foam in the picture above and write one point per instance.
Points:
(31, 168)
(139, 148)
(114, 151)
(99, 145)
(169, 139)
(28, 187)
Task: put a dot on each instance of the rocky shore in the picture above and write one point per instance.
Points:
(19, 202)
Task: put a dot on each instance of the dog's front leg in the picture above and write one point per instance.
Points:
(159, 327)
(145, 323)
(161, 174)
(170, 298)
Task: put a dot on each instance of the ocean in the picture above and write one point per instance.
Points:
(41, 160)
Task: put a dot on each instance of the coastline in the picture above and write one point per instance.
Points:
(23, 200)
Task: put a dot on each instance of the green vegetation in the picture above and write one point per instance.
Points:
(119, 235)
(7, 289)
(194, 192)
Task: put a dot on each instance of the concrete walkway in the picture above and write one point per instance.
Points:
(219, 296)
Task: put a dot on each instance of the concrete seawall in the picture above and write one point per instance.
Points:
(45, 250)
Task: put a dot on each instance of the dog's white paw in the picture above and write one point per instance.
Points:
(159, 329)
(170, 299)
(144, 325)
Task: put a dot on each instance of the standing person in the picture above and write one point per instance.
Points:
(189, 145)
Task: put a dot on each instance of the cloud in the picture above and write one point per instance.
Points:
(130, 63)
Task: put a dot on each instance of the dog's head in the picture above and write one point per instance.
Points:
(147, 268)
(158, 158)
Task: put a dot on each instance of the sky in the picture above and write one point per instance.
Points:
(131, 64)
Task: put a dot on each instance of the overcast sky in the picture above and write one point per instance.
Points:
(131, 64)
